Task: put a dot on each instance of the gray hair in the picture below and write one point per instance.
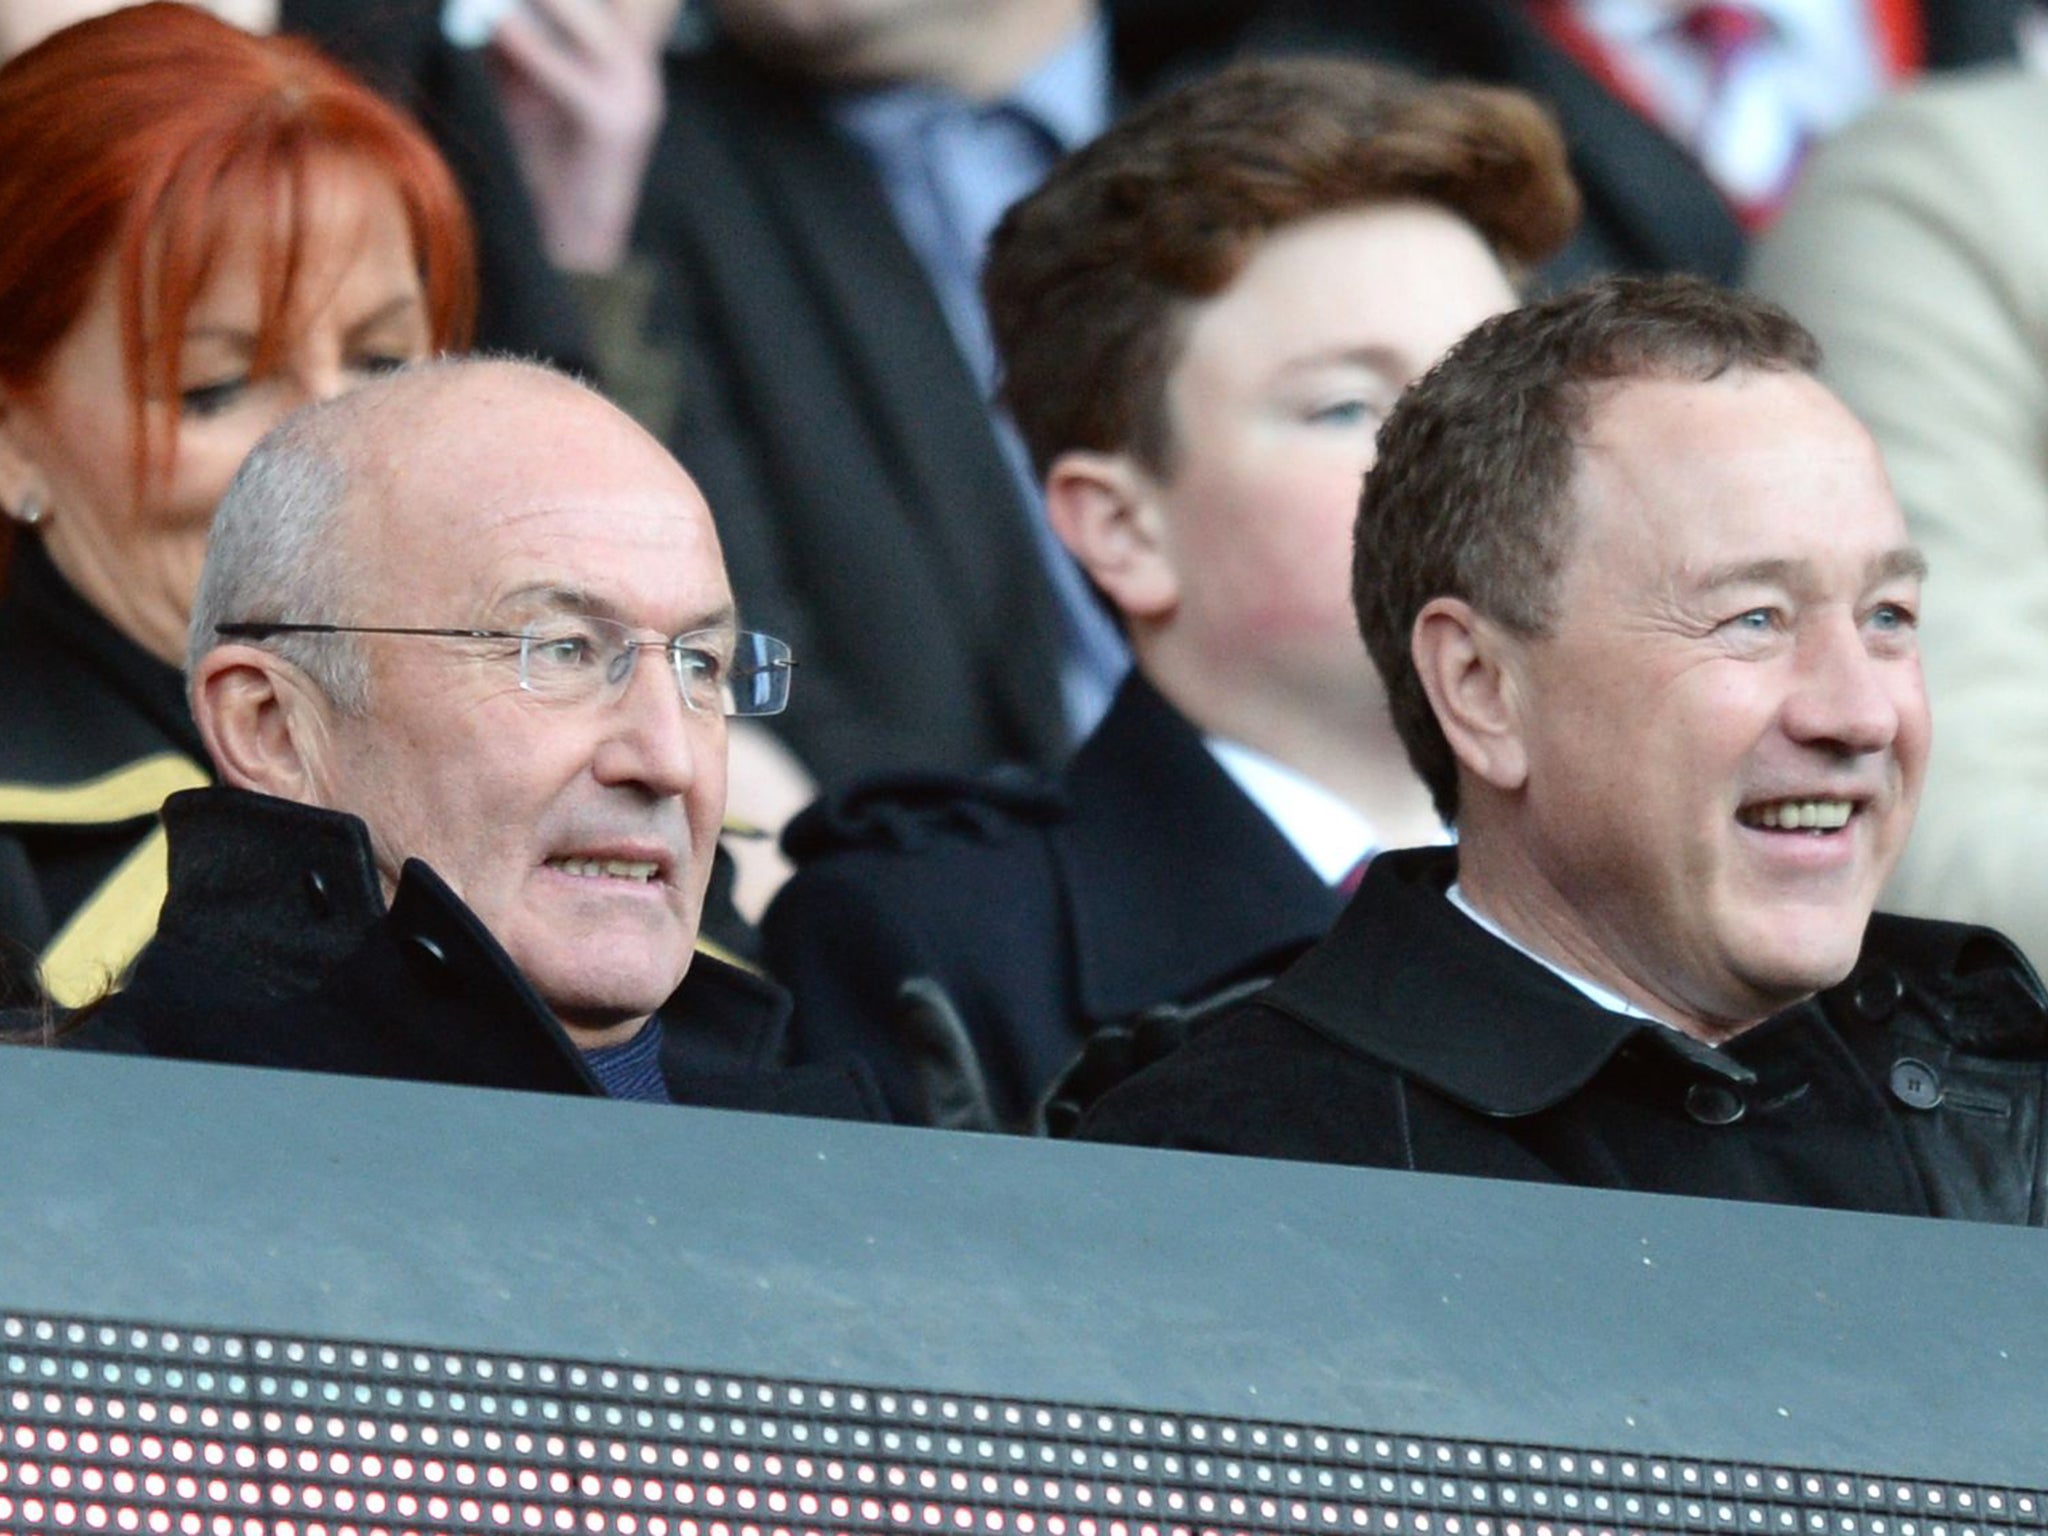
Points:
(276, 554)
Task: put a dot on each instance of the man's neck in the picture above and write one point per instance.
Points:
(1500, 888)
(596, 1037)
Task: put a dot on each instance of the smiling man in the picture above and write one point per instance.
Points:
(1645, 609)
(463, 654)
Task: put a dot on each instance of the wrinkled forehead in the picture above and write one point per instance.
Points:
(1771, 459)
(488, 503)
(650, 561)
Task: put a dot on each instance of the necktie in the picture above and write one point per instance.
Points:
(1725, 31)
(1750, 136)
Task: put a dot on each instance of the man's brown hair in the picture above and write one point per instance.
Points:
(1471, 494)
(1089, 279)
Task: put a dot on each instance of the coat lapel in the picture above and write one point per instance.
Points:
(1177, 882)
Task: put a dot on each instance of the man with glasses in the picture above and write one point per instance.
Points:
(463, 654)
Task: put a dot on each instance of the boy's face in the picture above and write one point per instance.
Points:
(1281, 385)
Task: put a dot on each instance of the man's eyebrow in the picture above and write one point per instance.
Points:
(1899, 563)
(1892, 565)
(555, 598)
(725, 616)
(552, 597)
(1750, 573)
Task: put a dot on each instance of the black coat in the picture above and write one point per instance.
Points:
(94, 732)
(276, 949)
(1144, 877)
(1412, 1038)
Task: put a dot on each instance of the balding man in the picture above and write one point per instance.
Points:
(463, 655)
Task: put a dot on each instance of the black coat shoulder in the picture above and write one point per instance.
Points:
(1256, 1083)
(917, 812)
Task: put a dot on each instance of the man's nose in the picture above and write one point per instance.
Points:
(649, 736)
(1843, 696)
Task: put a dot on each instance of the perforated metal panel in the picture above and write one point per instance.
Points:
(248, 1304)
(133, 1428)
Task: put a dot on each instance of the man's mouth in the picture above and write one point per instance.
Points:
(1798, 815)
(642, 870)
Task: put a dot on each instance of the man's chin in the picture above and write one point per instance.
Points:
(600, 988)
(1794, 964)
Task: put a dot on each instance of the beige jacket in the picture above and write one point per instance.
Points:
(1916, 247)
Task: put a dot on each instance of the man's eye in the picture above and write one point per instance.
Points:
(1894, 616)
(1755, 621)
(566, 649)
(700, 665)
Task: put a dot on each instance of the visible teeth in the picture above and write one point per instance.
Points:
(1801, 815)
(594, 869)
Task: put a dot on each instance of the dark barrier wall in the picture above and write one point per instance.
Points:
(238, 1303)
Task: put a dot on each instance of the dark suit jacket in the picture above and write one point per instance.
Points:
(1412, 1038)
(1146, 878)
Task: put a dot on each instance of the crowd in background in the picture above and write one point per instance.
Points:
(797, 240)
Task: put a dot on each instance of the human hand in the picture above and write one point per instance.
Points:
(580, 85)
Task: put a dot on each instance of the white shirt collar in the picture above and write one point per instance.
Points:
(1613, 1002)
(1329, 834)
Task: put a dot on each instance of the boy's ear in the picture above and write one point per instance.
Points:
(1107, 510)
(265, 725)
(1467, 664)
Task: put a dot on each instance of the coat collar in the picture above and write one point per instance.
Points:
(81, 699)
(1409, 981)
(274, 903)
(1159, 828)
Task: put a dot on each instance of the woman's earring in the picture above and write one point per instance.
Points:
(30, 512)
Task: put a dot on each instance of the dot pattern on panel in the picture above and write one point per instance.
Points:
(124, 1427)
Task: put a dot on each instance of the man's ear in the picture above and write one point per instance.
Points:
(1106, 509)
(1467, 664)
(265, 726)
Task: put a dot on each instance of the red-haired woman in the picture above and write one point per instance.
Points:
(202, 230)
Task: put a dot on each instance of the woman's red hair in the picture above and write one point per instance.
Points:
(142, 138)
